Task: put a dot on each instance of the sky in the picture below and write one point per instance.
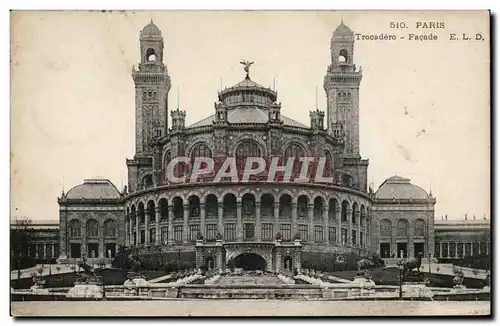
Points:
(424, 106)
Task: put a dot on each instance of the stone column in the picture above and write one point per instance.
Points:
(258, 224)
(220, 212)
(44, 251)
(36, 251)
(463, 249)
(131, 232)
(146, 226)
(294, 219)
(411, 247)
(170, 224)
(349, 230)
(239, 222)
(276, 227)
(199, 254)
(53, 248)
(84, 241)
(456, 249)
(365, 230)
(203, 214)
(219, 263)
(310, 214)
(487, 248)
(101, 241)
(297, 255)
(185, 227)
(440, 250)
(326, 225)
(357, 215)
(277, 248)
(479, 248)
(137, 230)
(157, 226)
(338, 217)
(126, 230)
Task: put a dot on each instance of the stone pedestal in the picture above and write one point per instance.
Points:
(219, 264)
(361, 286)
(415, 290)
(85, 291)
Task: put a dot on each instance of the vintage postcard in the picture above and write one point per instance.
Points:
(290, 163)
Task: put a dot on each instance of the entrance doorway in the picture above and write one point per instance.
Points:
(250, 262)
(385, 250)
(209, 263)
(75, 250)
(110, 250)
(93, 250)
(402, 250)
(287, 263)
(418, 248)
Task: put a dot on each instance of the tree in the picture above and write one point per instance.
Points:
(21, 238)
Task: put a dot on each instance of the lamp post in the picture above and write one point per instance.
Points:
(400, 278)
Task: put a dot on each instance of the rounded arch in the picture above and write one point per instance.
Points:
(344, 211)
(343, 56)
(200, 145)
(333, 204)
(150, 55)
(228, 191)
(140, 212)
(75, 228)
(329, 163)
(229, 201)
(194, 205)
(318, 205)
(285, 206)
(167, 157)
(419, 228)
(302, 205)
(267, 201)
(248, 204)
(294, 149)
(163, 207)
(289, 193)
(178, 207)
(355, 211)
(92, 227)
(248, 137)
(146, 179)
(211, 206)
(385, 228)
(110, 228)
(402, 228)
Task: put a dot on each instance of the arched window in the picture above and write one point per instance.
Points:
(285, 206)
(419, 228)
(144, 96)
(75, 229)
(110, 228)
(154, 95)
(200, 150)
(343, 56)
(402, 229)
(92, 228)
(302, 203)
(385, 228)
(247, 148)
(150, 55)
(294, 150)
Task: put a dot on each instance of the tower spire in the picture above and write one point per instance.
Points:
(316, 98)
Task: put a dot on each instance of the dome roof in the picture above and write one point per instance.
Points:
(400, 188)
(150, 30)
(247, 115)
(343, 32)
(94, 189)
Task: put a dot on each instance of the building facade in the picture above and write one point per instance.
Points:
(275, 221)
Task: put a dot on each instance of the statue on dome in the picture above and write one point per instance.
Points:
(247, 65)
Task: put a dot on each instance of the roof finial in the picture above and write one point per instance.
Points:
(247, 65)
(151, 16)
(341, 19)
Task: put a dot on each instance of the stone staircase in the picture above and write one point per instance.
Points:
(249, 279)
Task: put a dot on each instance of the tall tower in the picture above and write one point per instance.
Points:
(341, 85)
(152, 85)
